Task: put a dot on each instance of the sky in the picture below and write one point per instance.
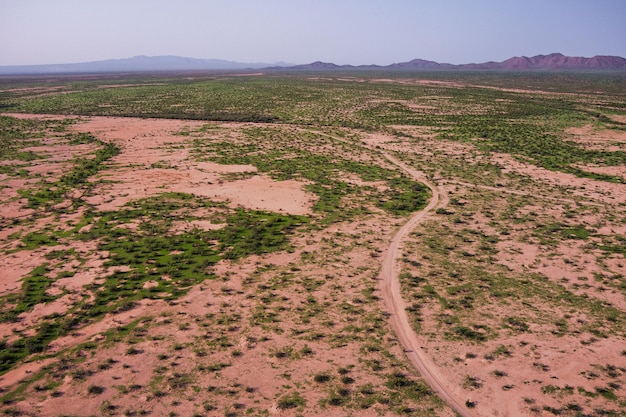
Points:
(354, 32)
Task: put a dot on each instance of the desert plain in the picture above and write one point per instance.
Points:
(313, 244)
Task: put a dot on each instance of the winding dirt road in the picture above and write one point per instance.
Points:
(391, 293)
(391, 289)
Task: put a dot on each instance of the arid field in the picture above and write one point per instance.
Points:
(317, 244)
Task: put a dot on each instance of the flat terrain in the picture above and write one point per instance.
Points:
(362, 244)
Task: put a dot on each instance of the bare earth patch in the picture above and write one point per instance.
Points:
(598, 139)
(146, 144)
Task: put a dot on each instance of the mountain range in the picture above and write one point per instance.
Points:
(139, 63)
(551, 62)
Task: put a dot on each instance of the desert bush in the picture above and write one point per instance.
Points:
(95, 389)
(293, 400)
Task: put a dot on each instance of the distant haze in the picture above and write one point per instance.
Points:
(300, 31)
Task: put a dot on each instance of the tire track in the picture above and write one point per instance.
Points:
(391, 291)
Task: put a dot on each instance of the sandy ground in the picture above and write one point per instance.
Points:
(540, 361)
(193, 332)
(182, 338)
(185, 175)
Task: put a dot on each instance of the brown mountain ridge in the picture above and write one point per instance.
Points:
(551, 62)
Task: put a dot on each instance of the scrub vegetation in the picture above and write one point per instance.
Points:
(123, 287)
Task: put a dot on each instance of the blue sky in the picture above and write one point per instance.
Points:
(296, 31)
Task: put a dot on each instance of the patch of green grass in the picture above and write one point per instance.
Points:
(17, 134)
(34, 291)
(250, 232)
(33, 240)
(173, 262)
(13, 353)
(293, 400)
(528, 134)
(561, 231)
(82, 169)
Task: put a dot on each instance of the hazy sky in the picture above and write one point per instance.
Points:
(299, 31)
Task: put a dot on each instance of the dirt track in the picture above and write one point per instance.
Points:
(391, 292)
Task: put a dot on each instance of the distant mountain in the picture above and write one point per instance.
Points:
(324, 66)
(318, 65)
(421, 64)
(136, 64)
(411, 65)
(552, 62)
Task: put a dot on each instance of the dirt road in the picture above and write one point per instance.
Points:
(391, 292)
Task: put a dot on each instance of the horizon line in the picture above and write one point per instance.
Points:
(296, 64)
